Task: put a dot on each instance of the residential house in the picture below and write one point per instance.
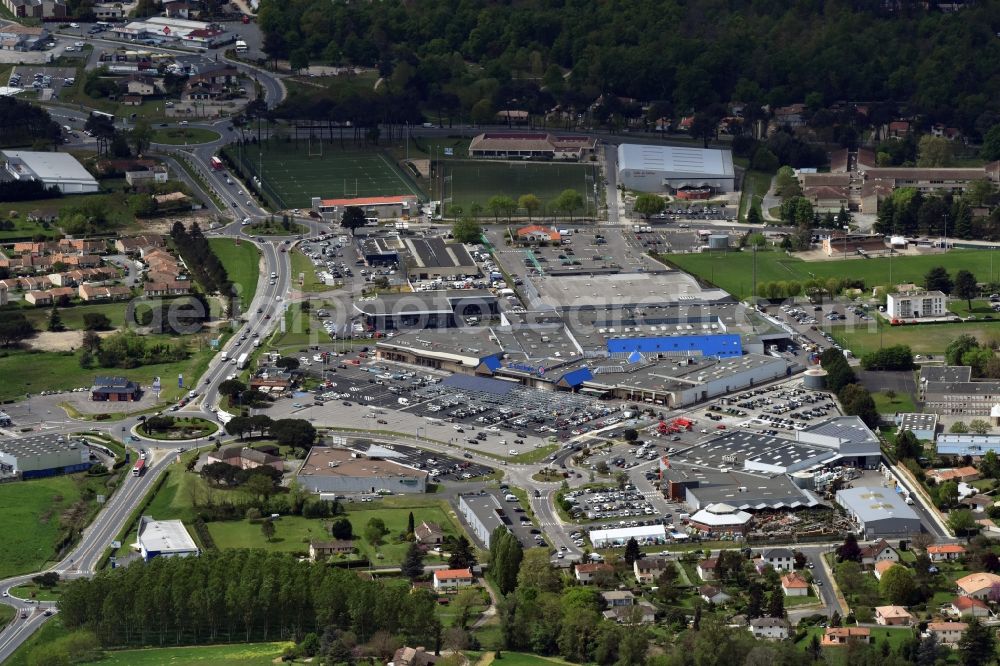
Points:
(946, 633)
(201, 90)
(977, 503)
(882, 567)
(707, 567)
(618, 598)
(139, 84)
(446, 580)
(174, 288)
(647, 570)
(429, 534)
(93, 292)
(418, 656)
(966, 474)
(38, 298)
(245, 458)
(945, 551)
(769, 628)
(61, 292)
(133, 245)
(977, 585)
(878, 552)
(625, 609)
(781, 559)
(834, 636)
(794, 585)
(963, 606)
(585, 573)
(898, 129)
(713, 595)
(792, 115)
(893, 616)
(321, 550)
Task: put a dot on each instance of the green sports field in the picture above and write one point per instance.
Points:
(294, 174)
(475, 181)
(732, 271)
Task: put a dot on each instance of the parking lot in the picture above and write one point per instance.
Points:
(41, 78)
(440, 467)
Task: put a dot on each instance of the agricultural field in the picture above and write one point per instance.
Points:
(475, 181)
(294, 174)
(242, 264)
(732, 271)
(33, 510)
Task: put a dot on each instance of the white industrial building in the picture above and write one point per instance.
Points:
(644, 534)
(42, 455)
(164, 538)
(646, 168)
(916, 304)
(61, 170)
(879, 512)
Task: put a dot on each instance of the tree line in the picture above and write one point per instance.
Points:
(682, 56)
(840, 379)
(245, 596)
(199, 258)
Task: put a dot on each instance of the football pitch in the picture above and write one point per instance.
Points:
(292, 175)
(473, 181)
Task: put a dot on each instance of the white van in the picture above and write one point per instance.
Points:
(403, 401)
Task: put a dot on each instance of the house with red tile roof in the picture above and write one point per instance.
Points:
(945, 551)
(452, 579)
(963, 606)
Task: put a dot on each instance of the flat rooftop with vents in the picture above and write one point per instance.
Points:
(331, 469)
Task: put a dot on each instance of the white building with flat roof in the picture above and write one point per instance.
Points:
(648, 168)
(916, 304)
(164, 538)
(61, 170)
(644, 534)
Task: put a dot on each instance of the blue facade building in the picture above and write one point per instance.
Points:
(724, 345)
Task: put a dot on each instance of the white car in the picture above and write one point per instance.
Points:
(74, 25)
(78, 45)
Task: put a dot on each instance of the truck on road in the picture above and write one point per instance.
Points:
(241, 362)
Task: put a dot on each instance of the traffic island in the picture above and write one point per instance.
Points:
(174, 429)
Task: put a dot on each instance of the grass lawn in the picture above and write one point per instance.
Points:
(32, 511)
(33, 372)
(249, 654)
(180, 136)
(293, 533)
(523, 659)
(185, 428)
(981, 309)
(755, 186)
(899, 403)
(7, 614)
(72, 317)
(296, 172)
(50, 631)
(837, 655)
(25, 229)
(242, 264)
(732, 270)
(32, 591)
(920, 338)
(304, 267)
(300, 329)
(475, 181)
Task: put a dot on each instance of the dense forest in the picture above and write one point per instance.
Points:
(686, 55)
